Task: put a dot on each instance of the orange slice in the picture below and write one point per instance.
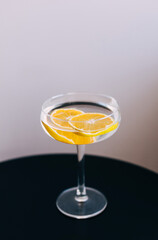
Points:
(68, 137)
(93, 124)
(61, 116)
(56, 135)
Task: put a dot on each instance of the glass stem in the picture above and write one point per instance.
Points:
(81, 195)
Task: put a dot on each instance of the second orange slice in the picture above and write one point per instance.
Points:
(93, 124)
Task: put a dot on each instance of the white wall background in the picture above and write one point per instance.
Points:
(48, 47)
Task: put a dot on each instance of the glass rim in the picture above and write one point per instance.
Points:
(84, 93)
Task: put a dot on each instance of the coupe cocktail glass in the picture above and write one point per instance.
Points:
(80, 119)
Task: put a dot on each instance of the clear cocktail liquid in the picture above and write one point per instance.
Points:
(72, 136)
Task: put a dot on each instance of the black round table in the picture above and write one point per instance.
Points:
(29, 187)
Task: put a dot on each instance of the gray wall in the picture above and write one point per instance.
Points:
(52, 47)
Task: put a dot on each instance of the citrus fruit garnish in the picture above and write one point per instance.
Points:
(61, 116)
(92, 124)
(68, 137)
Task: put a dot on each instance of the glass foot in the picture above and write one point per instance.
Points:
(92, 206)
